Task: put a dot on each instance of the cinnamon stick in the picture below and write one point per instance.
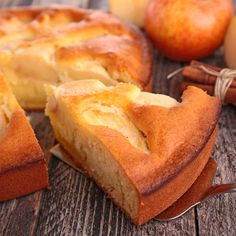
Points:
(196, 75)
(230, 96)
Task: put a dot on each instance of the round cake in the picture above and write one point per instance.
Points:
(53, 45)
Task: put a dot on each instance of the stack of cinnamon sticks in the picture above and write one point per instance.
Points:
(197, 77)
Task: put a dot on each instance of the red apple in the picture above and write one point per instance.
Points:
(184, 30)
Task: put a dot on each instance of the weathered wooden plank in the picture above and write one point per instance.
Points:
(218, 216)
(10, 3)
(76, 3)
(19, 216)
(75, 206)
(98, 4)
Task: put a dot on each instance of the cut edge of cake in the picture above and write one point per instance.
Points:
(23, 168)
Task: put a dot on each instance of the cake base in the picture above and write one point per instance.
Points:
(186, 190)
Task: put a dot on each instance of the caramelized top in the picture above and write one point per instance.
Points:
(158, 135)
(62, 43)
(18, 144)
(98, 105)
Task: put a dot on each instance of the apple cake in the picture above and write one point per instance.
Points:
(56, 44)
(23, 167)
(144, 150)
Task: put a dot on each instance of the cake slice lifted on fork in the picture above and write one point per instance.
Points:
(144, 150)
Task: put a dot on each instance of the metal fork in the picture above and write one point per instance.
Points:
(171, 214)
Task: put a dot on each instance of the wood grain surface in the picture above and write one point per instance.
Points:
(74, 205)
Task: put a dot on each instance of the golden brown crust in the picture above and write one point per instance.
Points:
(195, 192)
(23, 167)
(71, 36)
(23, 180)
(171, 190)
(161, 175)
(167, 194)
(169, 132)
(169, 137)
(19, 145)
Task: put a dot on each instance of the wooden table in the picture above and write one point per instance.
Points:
(76, 206)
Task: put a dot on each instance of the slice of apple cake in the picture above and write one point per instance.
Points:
(144, 150)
